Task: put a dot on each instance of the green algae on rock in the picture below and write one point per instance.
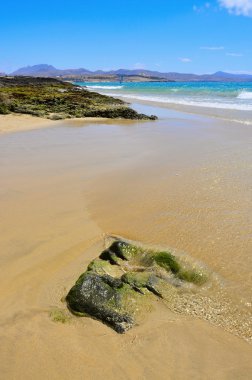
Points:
(123, 280)
(56, 100)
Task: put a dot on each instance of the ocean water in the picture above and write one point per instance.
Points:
(225, 96)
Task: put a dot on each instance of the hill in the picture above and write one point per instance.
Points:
(45, 70)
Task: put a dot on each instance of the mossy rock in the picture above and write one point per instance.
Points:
(115, 285)
(194, 276)
(110, 256)
(99, 297)
(104, 267)
(137, 279)
(123, 250)
(167, 261)
(140, 280)
(98, 266)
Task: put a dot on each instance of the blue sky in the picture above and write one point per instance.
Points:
(183, 35)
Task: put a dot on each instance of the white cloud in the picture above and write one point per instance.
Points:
(185, 60)
(212, 48)
(234, 54)
(237, 7)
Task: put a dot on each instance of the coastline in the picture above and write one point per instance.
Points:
(21, 122)
(225, 115)
(71, 187)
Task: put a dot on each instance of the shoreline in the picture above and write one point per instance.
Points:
(237, 116)
(20, 123)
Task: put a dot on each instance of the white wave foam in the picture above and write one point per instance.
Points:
(245, 122)
(245, 95)
(105, 87)
(186, 102)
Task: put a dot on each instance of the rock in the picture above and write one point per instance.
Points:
(117, 284)
(119, 248)
(99, 297)
(139, 280)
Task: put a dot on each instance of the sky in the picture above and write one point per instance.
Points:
(178, 35)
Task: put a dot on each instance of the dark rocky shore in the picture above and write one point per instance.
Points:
(55, 99)
(122, 282)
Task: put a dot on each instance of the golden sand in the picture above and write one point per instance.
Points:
(172, 183)
(13, 123)
(17, 123)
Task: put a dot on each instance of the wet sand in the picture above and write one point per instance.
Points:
(182, 182)
(16, 123)
(243, 117)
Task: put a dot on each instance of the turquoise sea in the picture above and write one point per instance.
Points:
(229, 96)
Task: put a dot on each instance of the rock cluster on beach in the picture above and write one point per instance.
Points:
(55, 99)
(122, 281)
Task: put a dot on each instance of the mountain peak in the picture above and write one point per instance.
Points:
(34, 70)
(45, 70)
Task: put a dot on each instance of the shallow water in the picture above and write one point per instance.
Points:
(183, 182)
(224, 95)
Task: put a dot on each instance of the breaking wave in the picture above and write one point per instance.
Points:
(188, 102)
(105, 87)
(245, 95)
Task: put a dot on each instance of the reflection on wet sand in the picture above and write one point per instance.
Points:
(176, 183)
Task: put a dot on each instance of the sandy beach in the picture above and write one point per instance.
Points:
(182, 182)
(18, 123)
(14, 123)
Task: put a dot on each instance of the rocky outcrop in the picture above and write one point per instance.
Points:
(124, 279)
(54, 99)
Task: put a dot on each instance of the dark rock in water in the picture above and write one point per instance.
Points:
(99, 297)
(123, 280)
(118, 248)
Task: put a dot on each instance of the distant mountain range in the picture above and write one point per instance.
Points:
(44, 70)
